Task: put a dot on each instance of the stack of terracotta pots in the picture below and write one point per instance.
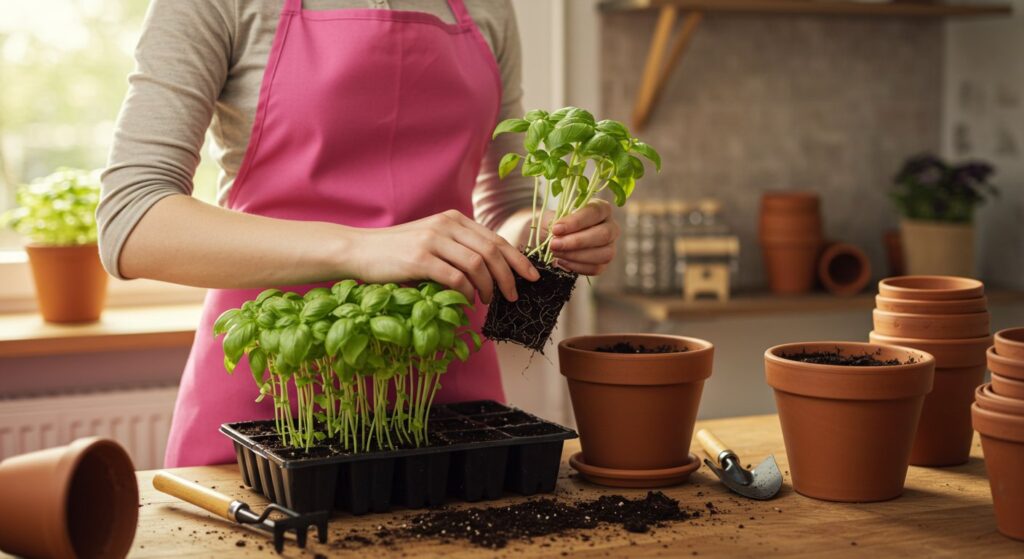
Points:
(791, 240)
(947, 317)
(998, 416)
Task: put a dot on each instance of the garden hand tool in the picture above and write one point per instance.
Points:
(762, 483)
(237, 511)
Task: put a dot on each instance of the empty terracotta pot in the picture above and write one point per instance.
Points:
(1004, 366)
(1009, 387)
(1002, 442)
(71, 285)
(1010, 343)
(931, 326)
(947, 353)
(989, 400)
(944, 433)
(790, 267)
(76, 501)
(848, 430)
(635, 411)
(844, 269)
(931, 288)
(955, 306)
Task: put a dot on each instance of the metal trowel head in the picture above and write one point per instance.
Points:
(761, 483)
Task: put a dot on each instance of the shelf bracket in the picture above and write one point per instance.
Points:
(657, 72)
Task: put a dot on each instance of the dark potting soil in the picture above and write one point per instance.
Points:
(506, 419)
(494, 527)
(530, 319)
(532, 430)
(452, 424)
(475, 436)
(837, 358)
(256, 428)
(626, 347)
(477, 408)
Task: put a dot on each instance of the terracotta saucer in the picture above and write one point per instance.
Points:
(634, 478)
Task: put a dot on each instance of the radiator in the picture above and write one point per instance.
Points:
(139, 419)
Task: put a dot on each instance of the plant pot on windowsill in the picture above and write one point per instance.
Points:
(635, 411)
(71, 285)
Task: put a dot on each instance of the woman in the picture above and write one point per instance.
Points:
(354, 142)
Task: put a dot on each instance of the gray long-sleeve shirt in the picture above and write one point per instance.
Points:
(199, 65)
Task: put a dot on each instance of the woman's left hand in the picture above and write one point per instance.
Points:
(584, 242)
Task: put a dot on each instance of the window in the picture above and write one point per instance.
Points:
(63, 74)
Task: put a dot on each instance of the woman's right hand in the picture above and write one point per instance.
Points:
(448, 248)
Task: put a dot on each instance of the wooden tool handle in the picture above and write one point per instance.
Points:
(194, 493)
(712, 445)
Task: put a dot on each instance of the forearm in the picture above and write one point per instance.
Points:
(183, 240)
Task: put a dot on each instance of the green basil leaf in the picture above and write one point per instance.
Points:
(258, 365)
(450, 315)
(510, 125)
(406, 296)
(576, 132)
(225, 321)
(316, 293)
(638, 167)
(342, 289)
(375, 301)
(461, 349)
(450, 297)
(266, 294)
(620, 194)
(318, 308)
(648, 152)
(354, 348)
(229, 364)
(508, 164)
(239, 337)
(600, 144)
(428, 288)
(559, 114)
(446, 335)
(286, 320)
(347, 310)
(296, 340)
(425, 339)
(581, 114)
(338, 334)
(320, 329)
(538, 130)
(423, 312)
(535, 114)
(390, 329)
(270, 340)
(477, 342)
(614, 129)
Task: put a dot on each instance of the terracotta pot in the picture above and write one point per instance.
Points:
(944, 433)
(791, 267)
(790, 201)
(931, 288)
(844, 269)
(940, 248)
(71, 285)
(1010, 343)
(80, 500)
(989, 400)
(1008, 387)
(947, 353)
(894, 253)
(1002, 441)
(931, 326)
(635, 411)
(955, 306)
(1004, 366)
(848, 430)
(782, 227)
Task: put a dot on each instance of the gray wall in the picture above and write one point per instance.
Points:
(762, 102)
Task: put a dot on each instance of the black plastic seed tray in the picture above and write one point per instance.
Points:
(478, 450)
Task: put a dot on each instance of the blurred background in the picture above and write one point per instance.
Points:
(741, 97)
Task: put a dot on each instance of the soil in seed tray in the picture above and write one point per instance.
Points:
(531, 318)
(837, 358)
(255, 428)
(476, 436)
(627, 347)
(532, 430)
(506, 419)
(302, 453)
(494, 527)
(453, 424)
(477, 408)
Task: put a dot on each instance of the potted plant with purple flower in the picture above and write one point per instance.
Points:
(937, 201)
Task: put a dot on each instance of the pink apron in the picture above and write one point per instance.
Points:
(367, 118)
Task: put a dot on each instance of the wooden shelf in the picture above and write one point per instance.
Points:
(659, 308)
(818, 7)
(155, 327)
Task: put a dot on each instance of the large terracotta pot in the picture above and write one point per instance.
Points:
(944, 433)
(1010, 343)
(954, 306)
(71, 285)
(848, 430)
(938, 248)
(844, 269)
(1002, 442)
(635, 412)
(986, 398)
(77, 501)
(947, 353)
(1009, 387)
(931, 326)
(931, 288)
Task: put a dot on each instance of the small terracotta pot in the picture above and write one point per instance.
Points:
(989, 400)
(956, 306)
(71, 285)
(1002, 442)
(1008, 387)
(848, 430)
(844, 269)
(790, 201)
(1004, 366)
(80, 500)
(931, 288)
(1010, 343)
(947, 353)
(781, 227)
(944, 433)
(791, 267)
(931, 326)
(635, 411)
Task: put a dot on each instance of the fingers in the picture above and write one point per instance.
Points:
(493, 258)
(472, 264)
(444, 273)
(582, 268)
(596, 211)
(594, 236)
(595, 255)
(513, 258)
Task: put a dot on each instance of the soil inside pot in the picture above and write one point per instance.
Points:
(837, 358)
(627, 347)
(530, 320)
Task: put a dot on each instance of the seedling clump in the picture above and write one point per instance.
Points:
(342, 351)
(572, 158)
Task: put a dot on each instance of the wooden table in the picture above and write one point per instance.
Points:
(944, 513)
